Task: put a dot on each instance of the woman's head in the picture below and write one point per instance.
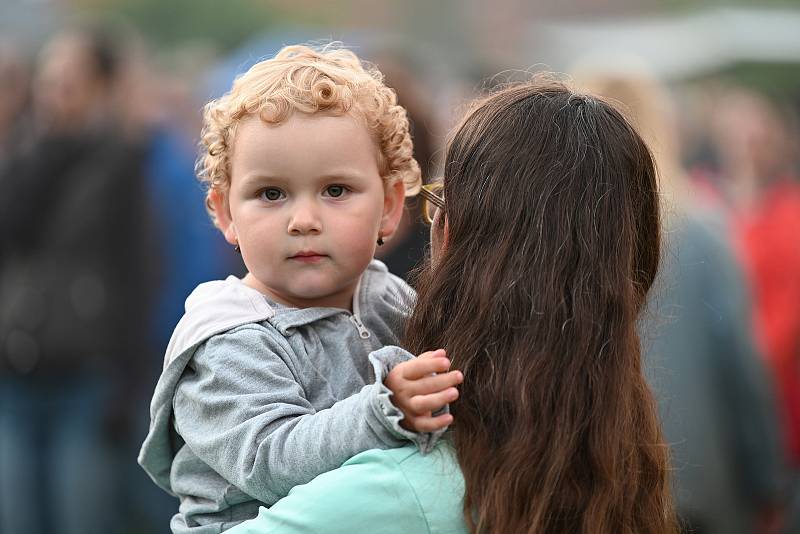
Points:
(536, 168)
(301, 79)
(549, 244)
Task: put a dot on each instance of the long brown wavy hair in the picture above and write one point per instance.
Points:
(552, 243)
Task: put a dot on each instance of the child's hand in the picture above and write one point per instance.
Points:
(418, 391)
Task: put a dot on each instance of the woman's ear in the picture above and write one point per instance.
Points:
(439, 235)
(218, 201)
(394, 196)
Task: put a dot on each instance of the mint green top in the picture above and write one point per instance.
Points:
(395, 491)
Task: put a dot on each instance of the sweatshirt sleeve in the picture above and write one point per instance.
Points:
(368, 494)
(241, 409)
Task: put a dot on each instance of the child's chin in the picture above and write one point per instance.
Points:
(313, 291)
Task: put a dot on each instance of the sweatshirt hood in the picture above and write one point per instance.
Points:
(215, 307)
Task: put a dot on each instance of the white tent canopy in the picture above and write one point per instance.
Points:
(671, 46)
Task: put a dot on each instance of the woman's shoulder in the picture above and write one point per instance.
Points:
(380, 491)
(431, 484)
(439, 463)
(425, 477)
(436, 481)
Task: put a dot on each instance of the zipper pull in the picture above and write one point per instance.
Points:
(362, 330)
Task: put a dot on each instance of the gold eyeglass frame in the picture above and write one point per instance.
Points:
(430, 195)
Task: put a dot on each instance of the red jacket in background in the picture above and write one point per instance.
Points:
(768, 239)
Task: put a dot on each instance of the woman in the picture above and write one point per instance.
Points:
(544, 246)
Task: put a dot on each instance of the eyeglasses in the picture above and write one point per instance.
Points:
(431, 200)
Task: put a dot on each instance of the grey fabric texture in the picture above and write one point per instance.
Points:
(256, 398)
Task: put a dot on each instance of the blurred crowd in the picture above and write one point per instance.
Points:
(103, 233)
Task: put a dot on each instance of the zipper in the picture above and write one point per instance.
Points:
(362, 330)
(356, 320)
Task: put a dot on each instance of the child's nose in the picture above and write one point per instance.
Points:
(304, 220)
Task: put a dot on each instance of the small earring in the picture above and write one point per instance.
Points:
(237, 249)
(380, 241)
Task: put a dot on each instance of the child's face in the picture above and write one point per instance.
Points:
(306, 206)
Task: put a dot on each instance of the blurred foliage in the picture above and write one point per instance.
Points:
(777, 80)
(227, 23)
(780, 81)
(691, 5)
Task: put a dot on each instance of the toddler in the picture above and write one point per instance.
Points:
(275, 378)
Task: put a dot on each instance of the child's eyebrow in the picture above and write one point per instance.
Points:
(254, 179)
(343, 175)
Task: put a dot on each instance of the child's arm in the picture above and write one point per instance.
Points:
(241, 409)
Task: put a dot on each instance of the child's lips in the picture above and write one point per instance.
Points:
(308, 256)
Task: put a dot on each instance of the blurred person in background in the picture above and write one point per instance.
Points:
(757, 181)
(73, 295)
(14, 99)
(189, 248)
(715, 398)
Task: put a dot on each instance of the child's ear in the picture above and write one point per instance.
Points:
(393, 203)
(219, 202)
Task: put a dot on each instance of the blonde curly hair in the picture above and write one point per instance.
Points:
(300, 78)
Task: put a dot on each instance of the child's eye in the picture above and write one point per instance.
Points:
(335, 191)
(271, 194)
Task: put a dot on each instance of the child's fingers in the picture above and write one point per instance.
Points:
(432, 424)
(438, 353)
(422, 367)
(423, 404)
(434, 383)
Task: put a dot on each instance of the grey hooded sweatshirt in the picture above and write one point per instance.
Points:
(256, 398)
